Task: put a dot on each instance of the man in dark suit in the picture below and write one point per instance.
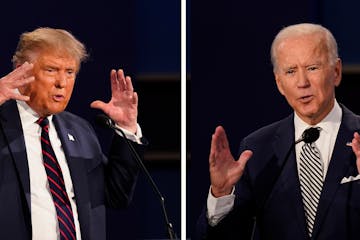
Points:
(270, 192)
(65, 200)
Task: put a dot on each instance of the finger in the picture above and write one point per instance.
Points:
(128, 84)
(26, 66)
(355, 145)
(20, 97)
(121, 80)
(240, 164)
(223, 143)
(357, 136)
(244, 157)
(217, 144)
(212, 160)
(215, 138)
(99, 105)
(113, 81)
(135, 99)
(22, 82)
(20, 71)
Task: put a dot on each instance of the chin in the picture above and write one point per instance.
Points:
(56, 110)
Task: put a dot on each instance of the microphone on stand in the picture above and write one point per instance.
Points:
(107, 122)
(310, 135)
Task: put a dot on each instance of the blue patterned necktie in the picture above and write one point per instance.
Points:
(56, 184)
(311, 181)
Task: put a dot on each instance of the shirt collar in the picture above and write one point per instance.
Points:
(27, 115)
(327, 124)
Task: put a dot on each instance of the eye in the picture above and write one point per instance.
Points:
(70, 72)
(290, 71)
(312, 68)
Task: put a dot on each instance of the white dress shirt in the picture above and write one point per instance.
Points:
(43, 212)
(218, 208)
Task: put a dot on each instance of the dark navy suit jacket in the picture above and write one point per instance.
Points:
(269, 194)
(98, 181)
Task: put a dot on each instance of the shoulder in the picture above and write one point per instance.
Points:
(348, 114)
(268, 132)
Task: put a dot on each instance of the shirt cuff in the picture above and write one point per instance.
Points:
(218, 208)
(131, 136)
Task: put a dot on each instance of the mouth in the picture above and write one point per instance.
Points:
(58, 98)
(306, 99)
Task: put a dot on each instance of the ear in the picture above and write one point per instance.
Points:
(337, 72)
(279, 83)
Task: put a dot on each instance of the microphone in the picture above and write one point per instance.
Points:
(106, 122)
(310, 135)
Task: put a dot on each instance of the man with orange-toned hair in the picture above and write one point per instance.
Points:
(55, 182)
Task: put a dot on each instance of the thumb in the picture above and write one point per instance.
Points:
(244, 157)
(239, 166)
(98, 104)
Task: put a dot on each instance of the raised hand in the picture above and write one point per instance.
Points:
(355, 145)
(17, 78)
(122, 108)
(224, 170)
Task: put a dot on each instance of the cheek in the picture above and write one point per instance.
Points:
(288, 91)
(325, 89)
(70, 88)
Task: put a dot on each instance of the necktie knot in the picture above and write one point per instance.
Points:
(43, 122)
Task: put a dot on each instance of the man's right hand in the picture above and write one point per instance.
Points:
(224, 170)
(19, 77)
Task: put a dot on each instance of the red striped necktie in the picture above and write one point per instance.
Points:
(56, 185)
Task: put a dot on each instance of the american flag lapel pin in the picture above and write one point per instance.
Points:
(71, 137)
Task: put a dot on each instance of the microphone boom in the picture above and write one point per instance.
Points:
(105, 121)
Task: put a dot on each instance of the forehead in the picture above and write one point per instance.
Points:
(56, 58)
(302, 49)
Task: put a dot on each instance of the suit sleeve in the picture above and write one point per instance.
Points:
(121, 172)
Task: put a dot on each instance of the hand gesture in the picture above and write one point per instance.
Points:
(17, 78)
(122, 108)
(355, 145)
(224, 170)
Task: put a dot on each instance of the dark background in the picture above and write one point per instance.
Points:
(232, 83)
(143, 38)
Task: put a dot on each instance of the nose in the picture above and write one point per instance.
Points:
(303, 80)
(61, 80)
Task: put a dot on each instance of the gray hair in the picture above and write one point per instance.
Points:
(305, 29)
(57, 40)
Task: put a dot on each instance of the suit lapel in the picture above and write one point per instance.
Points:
(71, 144)
(284, 149)
(11, 125)
(339, 166)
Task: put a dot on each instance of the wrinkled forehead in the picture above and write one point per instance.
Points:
(308, 46)
(309, 41)
(47, 53)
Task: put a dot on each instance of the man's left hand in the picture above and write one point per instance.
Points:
(122, 108)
